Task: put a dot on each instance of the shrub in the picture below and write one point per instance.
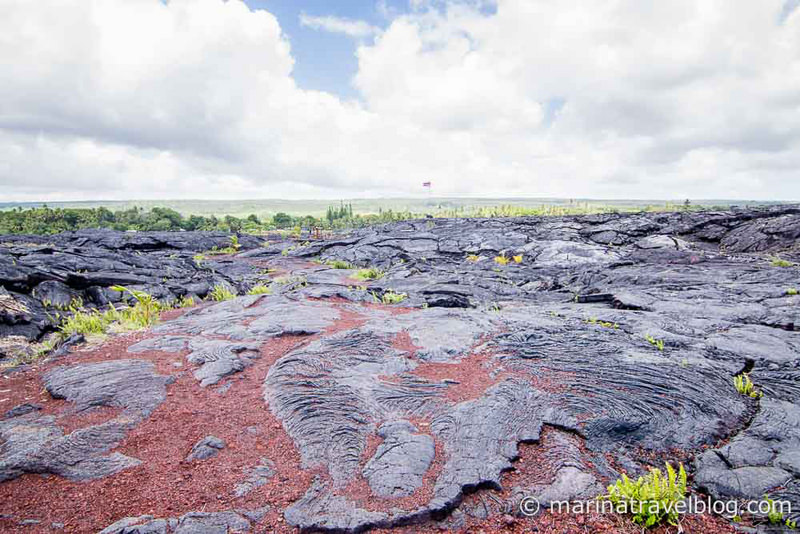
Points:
(369, 274)
(220, 293)
(745, 386)
(651, 499)
(260, 289)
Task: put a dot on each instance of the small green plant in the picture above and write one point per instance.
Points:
(780, 262)
(286, 251)
(651, 499)
(501, 259)
(604, 324)
(199, 258)
(775, 516)
(301, 281)
(746, 387)
(220, 293)
(369, 274)
(339, 264)
(657, 343)
(474, 258)
(184, 302)
(390, 297)
(259, 289)
(85, 323)
(146, 310)
(791, 291)
(31, 353)
(517, 258)
(235, 242)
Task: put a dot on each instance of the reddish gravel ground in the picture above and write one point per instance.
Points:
(166, 486)
(470, 377)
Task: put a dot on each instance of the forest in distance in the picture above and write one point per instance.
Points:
(261, 216)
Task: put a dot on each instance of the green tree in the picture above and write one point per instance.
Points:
(282, 220)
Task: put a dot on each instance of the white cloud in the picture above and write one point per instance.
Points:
(349, 27)
(195, 98)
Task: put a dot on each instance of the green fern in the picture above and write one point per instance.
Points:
(745, 386)
(220, 293)
(651, 499)
(657, 343)
(369, 274)
(390, 297)
(779, 262)
(260, 289)
(339, 264)
(184, 302)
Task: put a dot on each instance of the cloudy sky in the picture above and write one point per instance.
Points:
(133, 99)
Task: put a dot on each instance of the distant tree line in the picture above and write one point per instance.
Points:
(46, 220)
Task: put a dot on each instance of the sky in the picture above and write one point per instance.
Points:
(149, 99)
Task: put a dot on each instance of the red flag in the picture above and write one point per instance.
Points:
(426, 184)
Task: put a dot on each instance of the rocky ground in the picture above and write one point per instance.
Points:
(608, 345)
